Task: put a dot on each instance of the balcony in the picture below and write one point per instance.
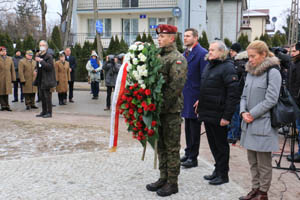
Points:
(126, 4)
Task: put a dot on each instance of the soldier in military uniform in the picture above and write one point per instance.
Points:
(7, 76)
(174, 71)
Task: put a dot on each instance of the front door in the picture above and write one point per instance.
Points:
(130, 30)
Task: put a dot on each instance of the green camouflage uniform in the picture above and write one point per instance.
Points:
(174, 71)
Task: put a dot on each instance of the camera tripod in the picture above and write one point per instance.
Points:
(293, 136)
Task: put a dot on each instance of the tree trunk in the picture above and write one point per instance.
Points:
(69, 21)
(44, 26)
(64, 14)
(99, 44)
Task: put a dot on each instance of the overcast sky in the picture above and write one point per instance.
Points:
(277, 8)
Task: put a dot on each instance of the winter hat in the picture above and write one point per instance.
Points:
(94, 54)
(236, 47)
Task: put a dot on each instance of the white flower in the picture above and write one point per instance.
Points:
(135, 61)
(131, 55)
(141, 67)
(142, 57)
(140, 82)
(133, 47)
(144, 73)
(129, 67)
(143, 86)
(138, 43)
(141, 47)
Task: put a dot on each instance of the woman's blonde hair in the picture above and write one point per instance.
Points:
(260, 47)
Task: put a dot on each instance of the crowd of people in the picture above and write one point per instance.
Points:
(230, 91)
(40, 75)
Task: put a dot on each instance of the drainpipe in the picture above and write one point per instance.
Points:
(189, 14)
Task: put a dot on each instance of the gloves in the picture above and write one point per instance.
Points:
(57, 82)
(94, 71)
(23, 83)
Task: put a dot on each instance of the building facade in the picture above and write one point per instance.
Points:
(128, 18)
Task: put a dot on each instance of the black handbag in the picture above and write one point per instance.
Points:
(286, 110)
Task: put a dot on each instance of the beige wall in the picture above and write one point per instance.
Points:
(258, 26)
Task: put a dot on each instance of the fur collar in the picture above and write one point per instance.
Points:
(241, 56)
(260, 69)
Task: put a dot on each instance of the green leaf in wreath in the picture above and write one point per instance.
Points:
(147, 119)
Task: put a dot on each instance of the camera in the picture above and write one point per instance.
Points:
(281, 53)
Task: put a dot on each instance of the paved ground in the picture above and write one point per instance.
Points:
(66, 157)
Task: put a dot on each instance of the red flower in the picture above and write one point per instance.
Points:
(126, 91)
(139, 138)
(141, 90)
(150, 132)
(140, 110)
(153, 123)
(131, 123)
(146, 129)
(135, 85)
(124, 98)
(139, 124)
(152, 107)
(135, 129)
(132, 117)
(141, 133)
(129, 99)
(131, 88)
(139, 97)
(144, 104)
(126, 105)
(141, 118)
(148, 92)
(131, 111)
(135, 93)
(121, 112)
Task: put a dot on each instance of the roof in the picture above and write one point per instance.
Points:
(257, 13)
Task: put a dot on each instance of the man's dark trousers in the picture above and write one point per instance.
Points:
(71, 87)
(16, 88)
(46, 98)
(217, 140)
(192, 137)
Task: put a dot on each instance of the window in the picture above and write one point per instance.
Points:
(153, 22)
(130, 3)
(106, 27)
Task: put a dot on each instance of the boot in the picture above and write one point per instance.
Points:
(41, 114)
(167, 190)
(48, 115)
(250, 195)
(219, 180)
(261, 196)
(210, 177)
(156, 185)
(34, 107)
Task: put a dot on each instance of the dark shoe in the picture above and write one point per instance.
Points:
(14, 101)
(230, 140)
(250, 195)
(156, 185)
(71, 101)
(210, 177)
(189, 163)
(106, 109)
(296, 158)
(183, 158)
(34, 107)
(8, 109)
(22, 100)
(167, 190)
(53, 105)
(41, 114)
(27, 107)
(219, 180)
(261, 196)
(48, 115)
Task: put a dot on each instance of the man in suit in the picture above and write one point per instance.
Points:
(195, 55)
(72, 62)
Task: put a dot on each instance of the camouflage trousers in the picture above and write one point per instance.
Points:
(169, 147)
(29, 99)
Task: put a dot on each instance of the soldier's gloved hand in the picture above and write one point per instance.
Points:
(57, 82)
(22, 83)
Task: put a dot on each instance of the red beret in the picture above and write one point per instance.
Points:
(166, 28)
(2, 48)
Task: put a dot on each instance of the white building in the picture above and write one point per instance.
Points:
(127, 18)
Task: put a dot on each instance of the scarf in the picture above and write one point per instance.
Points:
(94, 63)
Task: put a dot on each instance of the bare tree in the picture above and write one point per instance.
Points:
(6, 5)
(63, 15)
(68, 25)
(43, 6)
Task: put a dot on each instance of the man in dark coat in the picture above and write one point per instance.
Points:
(16, 60)
(195, 55)
(45, 79)
(72, 62)
(216, 105)
(295, 92)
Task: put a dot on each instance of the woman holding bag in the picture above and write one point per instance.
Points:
(258, 136)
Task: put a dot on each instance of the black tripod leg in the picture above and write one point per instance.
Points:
(281, 154)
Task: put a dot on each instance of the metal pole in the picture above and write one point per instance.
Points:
(99, 44)
(222, 16)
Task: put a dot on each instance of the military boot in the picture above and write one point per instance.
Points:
(167, 190)
(156, 185)
(250, 195)
(261, 196)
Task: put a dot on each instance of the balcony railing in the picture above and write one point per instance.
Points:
(125, 4)
(129, 38)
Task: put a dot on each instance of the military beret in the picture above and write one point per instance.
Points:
(166, 29)
(2, 48)
(29, 52)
